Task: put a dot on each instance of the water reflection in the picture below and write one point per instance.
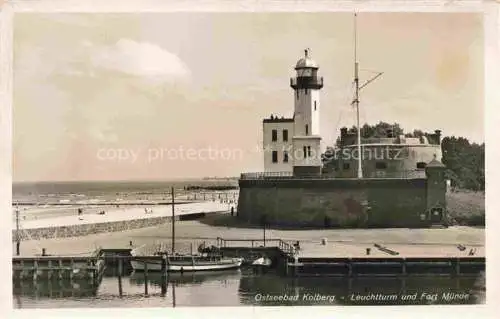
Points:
(268, 290)
(55, 289)
(188, 278)
(235, 287)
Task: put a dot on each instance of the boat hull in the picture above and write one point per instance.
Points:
(154, 265)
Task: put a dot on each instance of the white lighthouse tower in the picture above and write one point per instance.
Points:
(306, 138)
(300, 142)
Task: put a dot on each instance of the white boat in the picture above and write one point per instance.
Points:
(182, 263)
(262, 262)
(185, 263)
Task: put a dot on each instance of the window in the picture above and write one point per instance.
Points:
(275, 156)
(346, 166)
(297, 91)
(274, 135)
(380, 165)
(305, 152)
(308, 151)
(421, 165)
(307, 129)
(285, 157)
(285, 135)
(315, 105)
(306, 91)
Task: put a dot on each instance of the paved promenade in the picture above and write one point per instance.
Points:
(121, 214)
(353, 250)
(340, 242)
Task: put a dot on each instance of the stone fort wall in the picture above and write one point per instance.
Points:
(335, 202)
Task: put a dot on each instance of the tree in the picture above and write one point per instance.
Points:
(465, 162)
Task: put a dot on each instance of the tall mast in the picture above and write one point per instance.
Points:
(356, 97)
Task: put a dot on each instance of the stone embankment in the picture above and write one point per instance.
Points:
(88, 229)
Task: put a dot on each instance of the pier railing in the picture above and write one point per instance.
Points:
(256, 243)
(414, 173)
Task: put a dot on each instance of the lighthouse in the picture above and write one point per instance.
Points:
(293, 145)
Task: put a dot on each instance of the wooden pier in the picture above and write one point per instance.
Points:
(61, 273)
(291, 261)
(47, 267)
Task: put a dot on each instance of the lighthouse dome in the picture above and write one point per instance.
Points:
(306, 62)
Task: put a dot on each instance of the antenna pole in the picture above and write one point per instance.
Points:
(356, 98)
(173, 221)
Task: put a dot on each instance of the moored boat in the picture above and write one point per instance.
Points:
(188, 263)
(262, 262)
(209, 258)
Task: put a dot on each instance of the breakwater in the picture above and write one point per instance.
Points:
(78, 230)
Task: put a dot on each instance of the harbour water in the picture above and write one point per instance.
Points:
(235, 288)
(246, 288)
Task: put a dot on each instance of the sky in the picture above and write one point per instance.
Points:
(146, 96)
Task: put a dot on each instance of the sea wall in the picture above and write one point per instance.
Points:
(334, 202)
(95, 228)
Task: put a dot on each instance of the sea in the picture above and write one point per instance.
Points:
(43, 191)
(245, 287)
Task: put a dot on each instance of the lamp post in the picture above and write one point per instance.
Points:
(18, 238)
(173, 220)
(263, 221)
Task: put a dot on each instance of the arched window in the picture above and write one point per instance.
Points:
(307, 129)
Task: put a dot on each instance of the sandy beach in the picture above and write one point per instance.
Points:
(90, 215)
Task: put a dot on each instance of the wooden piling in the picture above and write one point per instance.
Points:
(286, 265)
(295, 265)
(35, 270)
(145, 278)
(21, 273)
(163, 275)
(60, 272)
(120, 272)
(72, 269)
(50, 271)
(403, 285)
